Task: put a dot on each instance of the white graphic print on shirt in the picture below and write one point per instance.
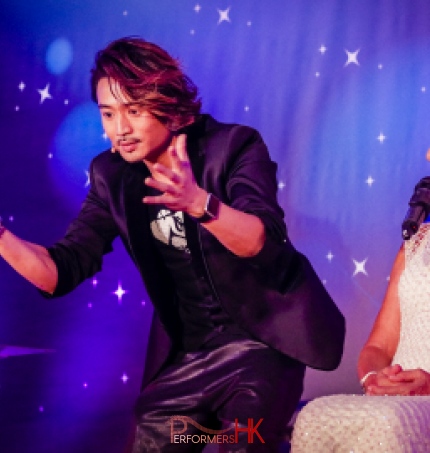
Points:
(169, 228)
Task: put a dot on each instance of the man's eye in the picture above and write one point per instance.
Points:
(107, 115)
(134, 112)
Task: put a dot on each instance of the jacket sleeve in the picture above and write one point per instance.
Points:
(252, 187)
(79, 254)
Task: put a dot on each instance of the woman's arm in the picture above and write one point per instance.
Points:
(379, 350)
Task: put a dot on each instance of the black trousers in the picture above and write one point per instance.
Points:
(235, 392)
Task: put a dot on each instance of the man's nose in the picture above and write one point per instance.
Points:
(123, 125)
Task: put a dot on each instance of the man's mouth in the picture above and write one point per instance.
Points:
(127, 145)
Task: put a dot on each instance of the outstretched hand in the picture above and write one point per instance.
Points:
(393, 380)
(180, 191)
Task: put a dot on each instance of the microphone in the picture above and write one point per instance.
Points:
(419, 208)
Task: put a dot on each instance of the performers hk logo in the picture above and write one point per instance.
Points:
(211, 436)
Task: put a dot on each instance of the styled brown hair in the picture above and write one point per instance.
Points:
(149, 76)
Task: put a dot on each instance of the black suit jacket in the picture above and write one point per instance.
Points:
(275, 295)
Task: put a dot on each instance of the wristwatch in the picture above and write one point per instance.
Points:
(211, 209)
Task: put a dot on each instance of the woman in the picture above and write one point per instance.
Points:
(393, 415)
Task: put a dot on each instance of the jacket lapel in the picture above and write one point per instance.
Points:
(136, 214)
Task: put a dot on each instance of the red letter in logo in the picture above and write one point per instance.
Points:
(251, 430)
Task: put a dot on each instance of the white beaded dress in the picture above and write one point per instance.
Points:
(392, 424)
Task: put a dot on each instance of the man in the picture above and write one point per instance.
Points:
(238, 312)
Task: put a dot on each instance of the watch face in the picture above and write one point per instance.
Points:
(212, 206)
(211, 209)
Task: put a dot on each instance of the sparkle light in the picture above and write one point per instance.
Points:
(352, 57)
(44, 94)
(119, 292)
(223, 15)
(381, 137)
(360, 267)
(369, 181)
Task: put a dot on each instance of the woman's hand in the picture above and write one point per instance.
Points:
(393, 380)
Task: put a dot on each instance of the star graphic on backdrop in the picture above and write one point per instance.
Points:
(120, 292)
(223, 15)
(322, 49)
(369, 181)
(352, 57)
(87, 182)
(359, 267)
(423, 89)
(381, 137)
(104, 135)
(124, 378)
(281, 185)
(329, 256)
(380, 66)
(21, 86)
(197, 8)
(44, 94)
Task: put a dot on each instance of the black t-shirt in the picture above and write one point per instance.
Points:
(200, 312)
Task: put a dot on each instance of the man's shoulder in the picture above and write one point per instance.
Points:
(108, 165)
(214, 125)
(218, 130)
(107, 158)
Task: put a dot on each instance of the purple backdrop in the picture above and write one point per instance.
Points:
(339, 89)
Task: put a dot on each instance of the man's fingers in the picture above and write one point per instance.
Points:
(181, 148)
(161, 186)
(174, 177)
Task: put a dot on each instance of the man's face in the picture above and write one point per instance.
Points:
(133, 131)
